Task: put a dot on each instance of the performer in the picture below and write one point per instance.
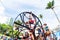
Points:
(30, 22)
(46, 31)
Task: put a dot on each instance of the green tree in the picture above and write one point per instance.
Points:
(4, 28)
(50, 5)
(15, 33)
(41, 16)
(1, 28)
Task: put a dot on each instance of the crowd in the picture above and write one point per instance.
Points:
(43, 34)
(3, 37)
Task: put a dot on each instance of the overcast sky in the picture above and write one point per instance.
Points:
(11, 8)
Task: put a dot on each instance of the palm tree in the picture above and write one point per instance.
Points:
(50, 5)
(41, 16)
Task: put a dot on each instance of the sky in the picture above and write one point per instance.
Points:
(11, 8)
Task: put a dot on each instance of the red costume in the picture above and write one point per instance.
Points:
(31, 21)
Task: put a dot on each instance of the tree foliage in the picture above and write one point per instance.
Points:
(50, 5)
(41, 16)
(7, 29)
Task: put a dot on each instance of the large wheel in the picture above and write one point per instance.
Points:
(28, 22)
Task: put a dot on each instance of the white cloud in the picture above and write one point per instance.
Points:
(36, 3)
(2, 9)
(3, 18)
(17, 3)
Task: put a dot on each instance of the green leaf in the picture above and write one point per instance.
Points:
(50, 5)
(47, 8)
(53, 3)
(41, 16)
